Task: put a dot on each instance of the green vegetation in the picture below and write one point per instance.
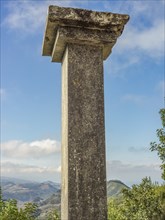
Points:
(160, 147)
(10, 211)
(145, 201)
(53, 215)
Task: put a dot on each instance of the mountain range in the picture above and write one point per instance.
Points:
(46, 195)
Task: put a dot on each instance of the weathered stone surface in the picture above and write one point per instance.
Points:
(109, 24)
(66, 35)
(83, 140)
(81, 40)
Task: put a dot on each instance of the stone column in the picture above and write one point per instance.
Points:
(81, 40)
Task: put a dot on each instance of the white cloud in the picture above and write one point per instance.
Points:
(35, 149)
(128, 173)
(8, 167)
(143, 37)
(145, 30)
(149, 40)
(29, 16)
(141, 10)
(117, 65)
(25, 16)
(136, 99)
(30, 172)
(38, 160)
(144, 33)
(138, 149)
(132, 173)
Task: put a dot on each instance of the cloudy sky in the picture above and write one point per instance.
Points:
(31, 91)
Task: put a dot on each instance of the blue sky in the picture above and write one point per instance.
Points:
(31, 91)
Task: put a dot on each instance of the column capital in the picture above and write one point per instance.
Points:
(72, 25)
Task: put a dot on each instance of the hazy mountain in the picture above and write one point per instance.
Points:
(114, 188)
(26, 191)
(53, 202)
(46, 195)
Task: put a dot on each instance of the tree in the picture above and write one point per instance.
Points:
(53, 215)
(10, 211)
(160, 147)
(115, 210)
(143, 202)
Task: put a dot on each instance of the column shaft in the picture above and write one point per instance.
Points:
(83, 134)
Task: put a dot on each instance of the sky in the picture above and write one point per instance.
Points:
(31, 91)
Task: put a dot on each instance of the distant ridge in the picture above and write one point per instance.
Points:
(25, 191)
(47, 195)
(114, 188)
